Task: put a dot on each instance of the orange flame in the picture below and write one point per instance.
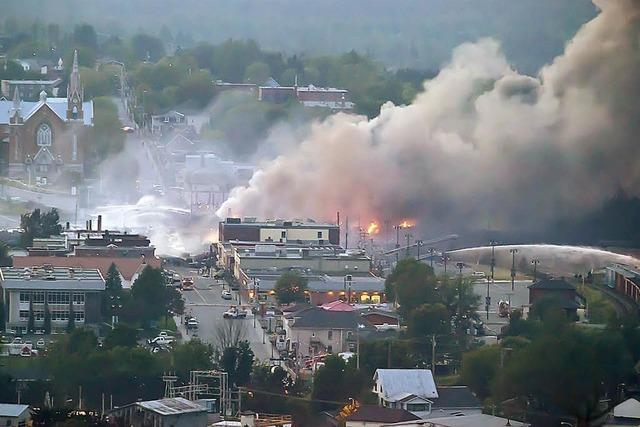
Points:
(373, 228)
(407, 223)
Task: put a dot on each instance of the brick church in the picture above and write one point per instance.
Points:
(44, 142)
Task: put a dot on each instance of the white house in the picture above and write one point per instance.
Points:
(12, 415)
(626, 413)
(411, 389)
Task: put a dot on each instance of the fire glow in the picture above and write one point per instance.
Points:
(407, 224)
(373, 228)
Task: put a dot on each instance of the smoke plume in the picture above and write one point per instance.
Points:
(482, 144)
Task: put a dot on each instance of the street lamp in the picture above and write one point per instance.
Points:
(408, 236)
(432, 252)
(460, 266)
(535, 263)
(513, 253)
(445, 258)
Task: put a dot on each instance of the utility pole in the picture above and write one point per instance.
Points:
(346, 233)
(432, 252)
(513, 252)
(490, 282)
(460, 266)
(535, 263)
(433, 354)
(397, 228)
(418, 244)
(408, 236)
(445, 258)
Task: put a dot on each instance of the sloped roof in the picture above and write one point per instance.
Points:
(479, 420)
(553, 284)
(338, 305)
(319, 318)
(11, 410)
(453, 397)
(630, 408)
(380, 414)
(57, 105)
(172, 406)
(398, 383)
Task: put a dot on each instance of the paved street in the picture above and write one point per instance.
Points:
(205, 302)
(501, 291)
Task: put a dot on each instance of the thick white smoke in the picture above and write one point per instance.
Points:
(481, 143)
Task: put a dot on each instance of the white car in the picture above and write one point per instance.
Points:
(40, 343)
(226, 294)
(161, 341)
(234, 313)
(192, 323)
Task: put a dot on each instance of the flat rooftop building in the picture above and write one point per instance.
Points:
(294, 231)
(65, 291)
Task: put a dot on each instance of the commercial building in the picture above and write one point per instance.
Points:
(30, 89)
(174, 412)
(625, 279)
(63, 291)
(294, 231)
(562, 292)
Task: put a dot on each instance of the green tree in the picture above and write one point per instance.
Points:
(193, 355)
(3, 319)
(146, 46)
(112, 295)
(47, 318)
(31, 327)
(86, 36)
(429, 319)
(238, 363)
(290, 287)
(71, 323)
(257, 73)
(174, 304)
(412, 283)
(338, 381)
(479, 368)
(107, 137)
(151, 298)
(121, 335)
(5, 258)
(36, 224)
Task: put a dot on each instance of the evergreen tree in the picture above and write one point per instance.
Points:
(31, 327)
(2, 314)
(47, 318)
(113, 290)
(71, 325)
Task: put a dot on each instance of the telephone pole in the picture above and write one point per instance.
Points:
(418, 244)
(487, 301)
(513, 252)
(445, 258)
(408, 236)
(432, 251)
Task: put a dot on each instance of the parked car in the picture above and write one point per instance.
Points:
(187, 284)
(226, 294)
(17, 340)
(40, 343)
(234, 313)
(192, 323)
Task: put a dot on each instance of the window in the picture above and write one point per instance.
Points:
(24, 296)
(283, 234)
(79, 316)
(417, 407)
(319, 234)
(38, 315)
(349, 335)
(74, 148)
(38, 297)
(43, 136)
(58, 297)
(60, 315)
(330, 335)
(78, 298)
(329, 349)
(24, 314)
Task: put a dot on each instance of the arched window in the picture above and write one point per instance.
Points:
(43, 137)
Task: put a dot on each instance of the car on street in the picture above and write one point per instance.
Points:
(17, 340)
(192, 323)
(187, 284)
(234, 313)
(40, 343)
(161, 341)
(226, 294)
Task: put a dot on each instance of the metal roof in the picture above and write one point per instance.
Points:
(172, 406)
(397, 383)
(51, 278)
(11, 410)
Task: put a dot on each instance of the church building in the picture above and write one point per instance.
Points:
(44, 142)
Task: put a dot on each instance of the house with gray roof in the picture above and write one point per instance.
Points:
(175, 412)
(13, 415)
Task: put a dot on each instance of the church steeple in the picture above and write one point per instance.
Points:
(16, 110)
(75, 92)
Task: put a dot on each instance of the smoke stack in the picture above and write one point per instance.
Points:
(86, 225)
(67, 225)
(99, 222)
(90, 225)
